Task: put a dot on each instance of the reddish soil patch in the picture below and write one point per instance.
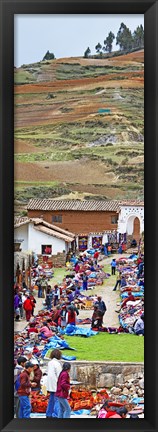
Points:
(137, 56)
(25, 147)
(64, 84)
(82, 172)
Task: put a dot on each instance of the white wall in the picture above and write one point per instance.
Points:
(37, 238)
(22, 234)
(126, 219)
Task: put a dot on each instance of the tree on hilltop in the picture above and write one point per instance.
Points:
(138, 37)
(108, 42)
(98, 48)
(87, 52)
(124, 38)
(49, 56)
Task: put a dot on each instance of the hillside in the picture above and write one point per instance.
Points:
(64, 146)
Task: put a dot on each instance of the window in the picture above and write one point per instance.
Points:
(46, 249)
(57, 218)
(114, 219)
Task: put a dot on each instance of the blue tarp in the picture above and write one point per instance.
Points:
(68, 358)
(55, 342)
(80, 412)
(72, 330)
(135, 294)
(137, 400)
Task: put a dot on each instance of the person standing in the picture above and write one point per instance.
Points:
(56, 295)
(96, 256)
(63, 313)
(54, 369)
(109, 249)
(71, 316)
(113, 267)
(21, 305)
(118, 281)
(49, 298)
(16, 306)
(96, 318)
(38, 283)
(24, 391)
(28, 306)
(33, 300)
(101, 307)
(17, 371)
(37, 375)
(85, 281)
(62, 393)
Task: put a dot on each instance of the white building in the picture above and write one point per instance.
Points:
(41, 237)
(131, 219)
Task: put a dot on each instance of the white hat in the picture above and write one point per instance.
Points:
(34, 362)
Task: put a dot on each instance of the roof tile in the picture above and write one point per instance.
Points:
(76, 205)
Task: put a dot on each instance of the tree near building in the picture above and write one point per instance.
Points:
(87, 52)
(98, 48)
(108, 42)
(49, 56)
(124, 38)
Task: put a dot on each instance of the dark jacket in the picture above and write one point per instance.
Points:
(101, 306)
(25, 386)
(63, 385)
(37, 377)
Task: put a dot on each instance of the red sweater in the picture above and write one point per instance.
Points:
(28, 305)
(63, 385)
(25, 386)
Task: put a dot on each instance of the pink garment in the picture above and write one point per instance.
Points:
(46, 331)
(115, 416)
(102, 413)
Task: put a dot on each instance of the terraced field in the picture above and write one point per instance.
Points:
(64, 147)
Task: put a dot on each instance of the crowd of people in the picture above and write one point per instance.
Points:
(61, 307)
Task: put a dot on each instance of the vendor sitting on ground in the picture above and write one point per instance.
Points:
(32, 330)
(139, 326)
(129, 298)
(45, 331)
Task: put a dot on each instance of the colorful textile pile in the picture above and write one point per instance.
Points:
(132, 309)
(39, 402)
(86, 399)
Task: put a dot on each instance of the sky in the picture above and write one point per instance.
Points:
(64, 35)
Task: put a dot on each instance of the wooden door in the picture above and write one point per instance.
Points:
(136, 229)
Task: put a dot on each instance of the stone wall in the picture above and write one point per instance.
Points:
(105, 374)
(55, 261)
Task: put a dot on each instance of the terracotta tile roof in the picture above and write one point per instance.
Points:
(76, 205)
(53, 233)
(40, 224)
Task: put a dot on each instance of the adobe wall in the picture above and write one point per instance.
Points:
(79, 221)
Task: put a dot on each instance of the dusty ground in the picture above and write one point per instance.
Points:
(110, 297)
(64, 171)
